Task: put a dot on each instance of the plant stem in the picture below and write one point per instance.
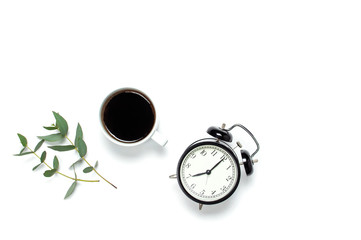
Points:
(77, 179)
(89, 163)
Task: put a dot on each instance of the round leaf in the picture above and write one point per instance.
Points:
(88, 169)
(38, 146)
(23, 153)
(22, 150)
(77, 162)
(70, 190)
(52, 137)
(61, 123)
(82, 148)
(23, 140)
(49, 173)
(79, 134)
(62, 148)
(50, 128)
(56, 163)
(36, 166)
(43, 157)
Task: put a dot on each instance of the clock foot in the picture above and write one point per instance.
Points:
(200, 206)
(174, 176)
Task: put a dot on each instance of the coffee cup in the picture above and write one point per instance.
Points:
(128, 118)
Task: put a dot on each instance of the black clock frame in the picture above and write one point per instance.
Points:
(215, 142)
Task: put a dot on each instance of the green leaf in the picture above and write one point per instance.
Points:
(52, 137)
(61, 123)
(38, 146)
(75, 163)
(62, 148)
(23, 153)
(79, 134)
(23, 140)
(36, 166)
(43, 157)
(22, 150)
(56, 163)
(82, 148)
(87, 169)
(76, 177)
(50, 128)
(49, 173)
(70, 190)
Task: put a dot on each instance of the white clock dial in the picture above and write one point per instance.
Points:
(209, 173)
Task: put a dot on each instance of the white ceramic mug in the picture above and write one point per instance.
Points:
(119, 118)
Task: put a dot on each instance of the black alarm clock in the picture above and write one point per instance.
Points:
(208, 171)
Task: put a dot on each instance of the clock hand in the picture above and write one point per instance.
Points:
(208, 172)
(215, 165)
(199, 174)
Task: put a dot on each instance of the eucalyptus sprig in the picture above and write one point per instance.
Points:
(79, 144)
(48, 173)
(61, 126)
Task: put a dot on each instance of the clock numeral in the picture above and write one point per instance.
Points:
(229, 178)
(203, 153)
(193, 155)
(214, 153)
(188, 165)
(202, 192)
(213, 192)
(229, 167)
(224, 188)
(193, 185)
(223, 157)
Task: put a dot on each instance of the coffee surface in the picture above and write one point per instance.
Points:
(128, 116)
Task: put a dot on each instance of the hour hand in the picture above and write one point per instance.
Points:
(199, 174)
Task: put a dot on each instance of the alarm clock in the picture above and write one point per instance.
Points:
(208, 171)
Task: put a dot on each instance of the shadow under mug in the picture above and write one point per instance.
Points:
(128, 118)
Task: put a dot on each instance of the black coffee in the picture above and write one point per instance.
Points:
(128, 116)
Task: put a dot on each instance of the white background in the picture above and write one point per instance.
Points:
(288, 70)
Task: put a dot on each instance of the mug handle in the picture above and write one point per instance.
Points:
(159, 138)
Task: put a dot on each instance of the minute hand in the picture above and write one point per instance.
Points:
(216, 165)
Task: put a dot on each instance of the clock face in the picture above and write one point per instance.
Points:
(208, 172)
